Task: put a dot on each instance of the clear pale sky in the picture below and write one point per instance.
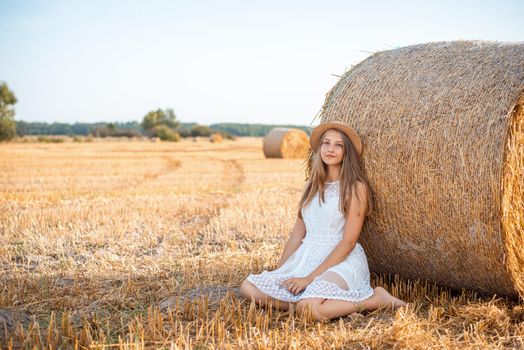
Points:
(214, 61)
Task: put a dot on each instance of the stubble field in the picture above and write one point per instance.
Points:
(144, 245)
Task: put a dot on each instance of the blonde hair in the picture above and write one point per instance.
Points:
(350, 173)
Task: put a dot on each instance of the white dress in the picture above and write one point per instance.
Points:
(324, 229)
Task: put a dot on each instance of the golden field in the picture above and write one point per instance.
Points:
(143, 245)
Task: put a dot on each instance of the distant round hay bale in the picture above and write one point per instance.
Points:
(286, 143)
(216, 137)
(443, 131)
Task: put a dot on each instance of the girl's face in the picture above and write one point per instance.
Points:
(332, 147)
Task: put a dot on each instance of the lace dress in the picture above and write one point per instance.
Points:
(324, 229)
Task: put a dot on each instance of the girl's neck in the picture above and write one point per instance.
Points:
(333, 173)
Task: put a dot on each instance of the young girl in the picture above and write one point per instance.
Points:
(323, 268)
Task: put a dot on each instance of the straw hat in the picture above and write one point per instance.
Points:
(314, 139)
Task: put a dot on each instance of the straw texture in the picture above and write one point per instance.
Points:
(286, 143)
(443, 131)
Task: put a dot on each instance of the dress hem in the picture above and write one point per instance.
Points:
(297, 298)
(268, 292)
(352, 300)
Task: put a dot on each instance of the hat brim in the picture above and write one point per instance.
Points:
(314, 139)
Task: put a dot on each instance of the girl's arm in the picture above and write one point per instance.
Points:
(352, 228)
(294, 240)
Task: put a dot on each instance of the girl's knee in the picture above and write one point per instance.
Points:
(250, 291)
(246, 289)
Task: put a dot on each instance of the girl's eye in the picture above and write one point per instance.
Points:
(338, 144)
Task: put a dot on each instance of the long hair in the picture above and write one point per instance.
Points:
(350, 173)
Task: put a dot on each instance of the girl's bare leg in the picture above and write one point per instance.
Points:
(329, 308)
(250, 291)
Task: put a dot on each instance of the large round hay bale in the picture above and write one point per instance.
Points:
(286, 143)
(443, 131)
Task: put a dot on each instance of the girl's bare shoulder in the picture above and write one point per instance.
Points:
(361, 189)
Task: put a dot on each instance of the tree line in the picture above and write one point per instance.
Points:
(161, 123)
(85, 129)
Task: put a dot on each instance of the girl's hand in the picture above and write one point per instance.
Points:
(296, 285)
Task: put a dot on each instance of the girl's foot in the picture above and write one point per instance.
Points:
(385, 299)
